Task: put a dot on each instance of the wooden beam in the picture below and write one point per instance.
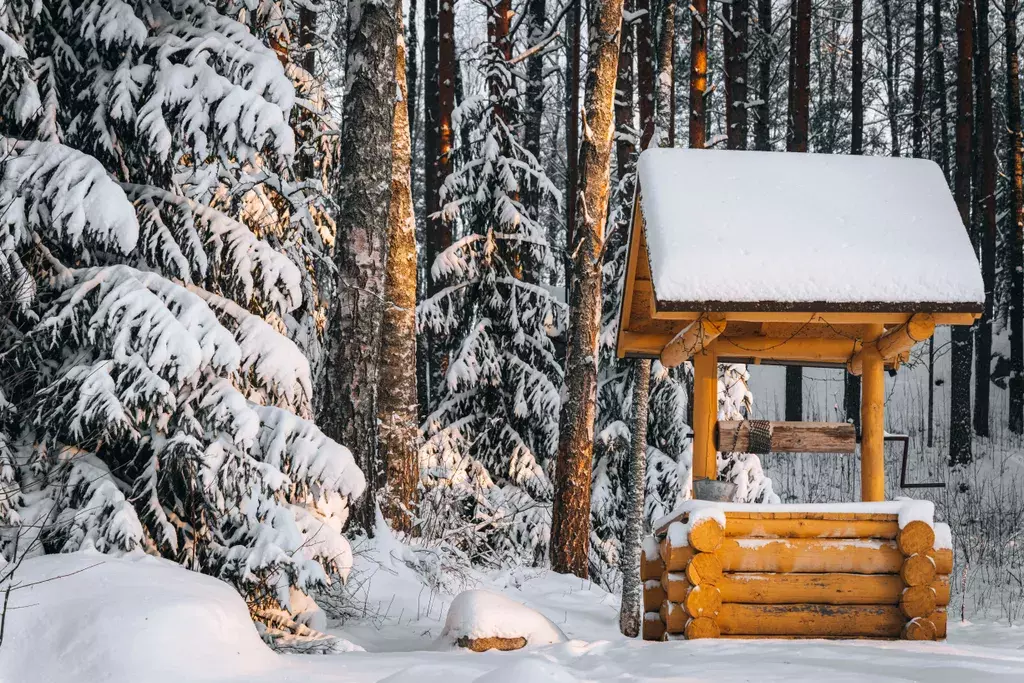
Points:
(836, 318)
(809, 528)
(809, 556)
(811, 620)
(693, 339)
(625, 313)
(790, 349)
(872, 420)
(896, 342)
(733, 436)
(705, 414)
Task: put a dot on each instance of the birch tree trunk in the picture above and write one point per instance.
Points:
(987, 208)
(698, 73)
(570, 524)
(962, 352)
(349, 409)
(399, 432)
(1015, 215)
(631, 611)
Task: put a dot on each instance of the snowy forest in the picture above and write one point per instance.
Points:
(300, 293)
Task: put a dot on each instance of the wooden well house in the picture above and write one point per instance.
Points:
(813, 260)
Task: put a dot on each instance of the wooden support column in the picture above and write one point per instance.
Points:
(705, 413)
(872, 421)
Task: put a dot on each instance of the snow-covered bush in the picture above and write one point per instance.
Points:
(150, 396)
(492, 429)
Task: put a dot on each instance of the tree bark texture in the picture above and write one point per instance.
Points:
(762, 126)
(412, 67)
(349, 409)
(986, 206)
(645, 68)
(799, 116)
(572, 144)
(397, 416)
(570, 524)
(736, 105)
(940, 113)
(666, 75)
(892, 78)
(918, 115)
(535, 90)
(624, 147)
(698, 73)
(857, 87)
(1015, 216)
(631, 612)
(962, 351)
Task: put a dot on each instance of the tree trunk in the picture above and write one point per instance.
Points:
(698, 73)
(986, 157)
(917, 116)
(799, 115)
(349, 410)
(962, 352)
(1015, 171)
(412, 69)
(446, 67)
(631, 612)
(892, 78)
(736, 103)
(624, 148)
(645, 68)
(535, 92)
(399, 432)
(572, 144)
(762, 126)
(857, 87)
(570, 523)
(666, 75)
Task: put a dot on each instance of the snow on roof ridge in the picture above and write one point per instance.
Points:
(804, 228)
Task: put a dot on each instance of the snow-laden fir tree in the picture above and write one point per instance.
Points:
(150, 398)
(735, 402)
(492, 429)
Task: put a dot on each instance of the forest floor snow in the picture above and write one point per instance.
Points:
(94, 618)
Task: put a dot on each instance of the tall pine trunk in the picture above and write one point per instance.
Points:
(349, 408)
(962, 353)
(535, 91)
(631, 612)
(624, 90)
(399, 430)
(666, 75)
(645, 68)
(1015, 172)
(736, 103)
(570, 523)
(986, 192)
(917, 115)
(698, 73)
(412, 67)
(762, 126)
(892, 78)
(799, 116)
(572, 144)
(426, 372)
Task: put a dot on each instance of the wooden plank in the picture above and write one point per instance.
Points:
(810, 555)
(810, 528)
(836, 516)
(827, 589)
(733, 436)
(883, 621)
(625, 313)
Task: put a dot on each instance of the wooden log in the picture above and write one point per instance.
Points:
(706, 535)
(653, 627)
(702, 601)
(872, 420)
(809, 528)
(673, 616)
(787, 349)
(704, 569)
(919, 629)
(693, 339)
(675, 558)
(896, 342)
(884, 621)
(941, 586)
(650, 567)
(705, 414)
(733, 436)
(943, 558)
(702, 627)
(810, 555)
(918, 601)
(826, 516)
(826, 589)
(675, 585)
(654, 595)
(916, 537)
(938, 617)
(918, 570)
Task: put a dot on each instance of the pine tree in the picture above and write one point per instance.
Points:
(151, 396)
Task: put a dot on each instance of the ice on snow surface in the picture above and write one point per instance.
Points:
(745, 227)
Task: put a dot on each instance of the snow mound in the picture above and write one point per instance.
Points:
(90, 617)
(477, 614)
(532, 670)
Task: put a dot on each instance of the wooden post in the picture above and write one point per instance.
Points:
(705, 413)
(872, 420)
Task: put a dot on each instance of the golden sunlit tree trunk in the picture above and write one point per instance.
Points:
(570, 524)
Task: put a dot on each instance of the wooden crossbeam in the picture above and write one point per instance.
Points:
(693, 339)
(895, 343)
(733, 436)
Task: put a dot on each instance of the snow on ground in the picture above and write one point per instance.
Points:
(145, 620)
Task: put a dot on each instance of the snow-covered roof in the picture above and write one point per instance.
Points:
(736, 230)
